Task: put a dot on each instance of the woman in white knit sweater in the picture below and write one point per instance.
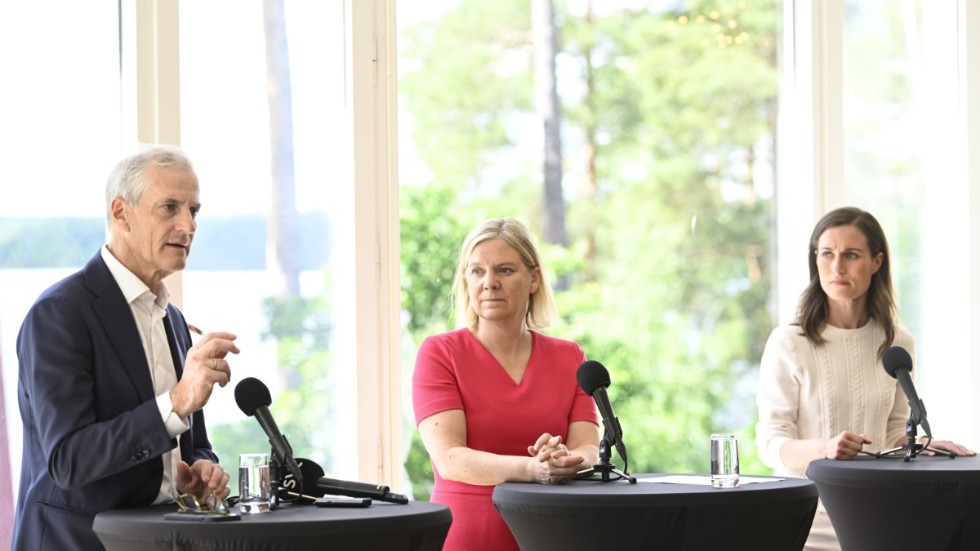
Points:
(823, 392)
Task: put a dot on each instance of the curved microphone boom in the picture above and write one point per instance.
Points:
(898, 363)
(253, 399)
(593, 377)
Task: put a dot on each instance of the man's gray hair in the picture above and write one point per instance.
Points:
(128, 179)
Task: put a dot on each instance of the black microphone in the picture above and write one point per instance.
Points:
(898, 364)
(594, 378)
(254, 399)
(359, 489)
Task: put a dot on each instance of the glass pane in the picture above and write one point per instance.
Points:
(272, 157)
(657, 230)
(905, 159)
(59, 138)
(883, 132)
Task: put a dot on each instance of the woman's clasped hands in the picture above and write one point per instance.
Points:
(552, 462)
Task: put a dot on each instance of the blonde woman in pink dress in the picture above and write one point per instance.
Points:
(497, 400)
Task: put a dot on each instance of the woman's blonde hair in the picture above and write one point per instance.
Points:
(541, 303)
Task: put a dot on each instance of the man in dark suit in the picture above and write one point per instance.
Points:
(111, 387)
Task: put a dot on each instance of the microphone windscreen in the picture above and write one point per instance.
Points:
(591, 375)
(311, 473)
(251, 394)
(896, 358)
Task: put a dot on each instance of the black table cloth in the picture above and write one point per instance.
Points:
(588, 515)
(417, 526)
(886, 503)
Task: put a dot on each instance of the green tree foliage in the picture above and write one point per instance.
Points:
(473, 75)
(668, 270)
(430, 240)
(429, 251)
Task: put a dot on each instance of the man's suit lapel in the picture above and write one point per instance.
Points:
(176, 352)
(179, 341)
(119, 326)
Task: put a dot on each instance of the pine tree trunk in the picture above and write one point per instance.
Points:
(282, 240)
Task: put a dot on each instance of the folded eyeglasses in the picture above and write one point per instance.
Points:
(212, 505)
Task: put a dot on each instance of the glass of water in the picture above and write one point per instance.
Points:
(254, 494)
(724, 461)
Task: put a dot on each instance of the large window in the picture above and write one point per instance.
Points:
(904, 157)
(310, 316)
(680, 234)
(59, 136)
(263, 113)
(885, 132)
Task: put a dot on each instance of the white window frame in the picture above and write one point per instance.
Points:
(373, 97)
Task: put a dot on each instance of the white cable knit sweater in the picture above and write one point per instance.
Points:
(808, 391)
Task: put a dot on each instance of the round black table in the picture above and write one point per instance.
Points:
(417, 526)
(886, 503)
(589, 514)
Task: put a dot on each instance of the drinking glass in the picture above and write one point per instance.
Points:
(254, 494)
(724, 461)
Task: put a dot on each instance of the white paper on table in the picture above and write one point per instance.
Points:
(701, 480)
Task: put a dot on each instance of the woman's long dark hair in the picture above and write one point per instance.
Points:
(812, 314)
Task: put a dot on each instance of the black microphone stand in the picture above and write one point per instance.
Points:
(913, 448)
(605, 468)
(279, 489)
(275, 480)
